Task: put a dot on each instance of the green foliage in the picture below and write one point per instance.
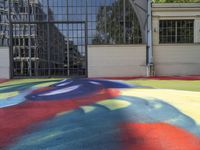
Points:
(110, 24)
(177, 1)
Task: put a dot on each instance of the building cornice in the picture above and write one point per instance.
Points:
(176, 5)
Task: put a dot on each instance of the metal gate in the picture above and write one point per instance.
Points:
(44, 45)
(49, 49)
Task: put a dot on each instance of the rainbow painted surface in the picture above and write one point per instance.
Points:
(89, 114)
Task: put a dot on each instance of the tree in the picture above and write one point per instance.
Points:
(111, 21)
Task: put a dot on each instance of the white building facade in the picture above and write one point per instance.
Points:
(176, 39)
(176, 46)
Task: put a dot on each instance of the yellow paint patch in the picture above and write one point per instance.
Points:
(40, 139)
(50, 136)
(88, 109)
(63, 113)
(8, 95)
(114, 104)
(187, 102)
(22, 81)
(157, 106)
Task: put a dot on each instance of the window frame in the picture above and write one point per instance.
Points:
(183, 38)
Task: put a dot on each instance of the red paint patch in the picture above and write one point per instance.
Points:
(158, 136)
(15, 120)
(41, 89)
(3, 80)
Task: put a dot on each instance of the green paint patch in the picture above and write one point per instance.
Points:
(88, 109)
(8, 95)
(114, 104)
(168, 84)
(22, 81)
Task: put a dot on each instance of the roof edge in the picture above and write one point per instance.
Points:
(176, 5)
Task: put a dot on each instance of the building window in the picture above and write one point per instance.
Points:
(176, 31)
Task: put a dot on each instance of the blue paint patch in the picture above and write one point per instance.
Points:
(99, 129)
(13, 100)
(76, 88)
(24, 89)
(21, 87)
(102, 83)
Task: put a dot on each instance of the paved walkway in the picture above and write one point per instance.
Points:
(91, 114)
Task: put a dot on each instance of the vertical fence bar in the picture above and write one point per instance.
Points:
(29, 41)
(68, 53)
(86, 40)
(48, 41)
(150, 66)
(10, 39)
(124, 20)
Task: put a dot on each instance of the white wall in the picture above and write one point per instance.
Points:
(116, 61)
(177, 59)
(4, 63)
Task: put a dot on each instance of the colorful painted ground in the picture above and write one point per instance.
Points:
(97, 114)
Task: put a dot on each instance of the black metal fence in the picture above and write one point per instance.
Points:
(50, 37)
(44, 42)
(49, 49)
